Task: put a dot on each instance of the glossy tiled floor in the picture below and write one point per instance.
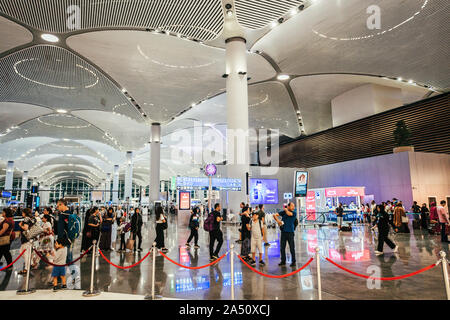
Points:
(354, 250)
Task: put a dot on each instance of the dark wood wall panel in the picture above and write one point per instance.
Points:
(428, 120)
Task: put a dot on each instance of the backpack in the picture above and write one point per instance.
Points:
(73, 227)
(208, 225)
(127, 227)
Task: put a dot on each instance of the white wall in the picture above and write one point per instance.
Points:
(430, 176)
(385, 177)
(364, 101)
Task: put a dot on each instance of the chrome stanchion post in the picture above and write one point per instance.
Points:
(232, 270)
(91, 291)
(445, 272)
(27, 289)
(153, 296)
(319, 282)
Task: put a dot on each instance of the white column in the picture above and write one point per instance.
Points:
(103, 188)
(45, 196)
(108, 187)
(155, 157)
(237, 117)
(115, 192)
(24, 186)
(129, 176)
(9, 176)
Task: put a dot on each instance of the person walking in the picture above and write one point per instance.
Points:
(216, 234)
(161, 225)
(194, 223)
(382, 223)
(6, 228)
(339, 216)
(443, 220)
(136, 228)
(288, 216)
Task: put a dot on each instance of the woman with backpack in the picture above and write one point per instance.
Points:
(194, 225)
(161, 225)
(6, 228)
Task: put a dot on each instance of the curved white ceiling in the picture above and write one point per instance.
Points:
(415, 49)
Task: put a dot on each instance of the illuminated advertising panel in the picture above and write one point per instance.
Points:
(185, 200)
(301, 183)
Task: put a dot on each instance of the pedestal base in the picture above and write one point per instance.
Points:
(404, 149)
(149, 297)
(91, 293)
(24, 292)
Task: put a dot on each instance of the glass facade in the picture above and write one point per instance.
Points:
(17, 185)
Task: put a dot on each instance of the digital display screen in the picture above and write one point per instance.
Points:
(301, 183)
(185, 200)
(264, 191)
(194, 183)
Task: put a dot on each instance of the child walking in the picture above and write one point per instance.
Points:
(60, 256)
(257, 234)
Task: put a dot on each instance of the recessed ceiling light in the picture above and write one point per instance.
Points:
(283, 77)
(410, 81)
(294, 11)
(49, 37)
(274, 24)
(229, 13)
(61, 111)
(399, 79)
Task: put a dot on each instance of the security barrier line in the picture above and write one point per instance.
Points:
(383, 279)
(276, 276)
(127, 267)
(18, 257)
(61, 265)
(195, 268)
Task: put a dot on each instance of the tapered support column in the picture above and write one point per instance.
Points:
(155, 162)
(115, 191)
(108, 187)
(9, 176)
(237, 117)
(24, 186)
(128, 176)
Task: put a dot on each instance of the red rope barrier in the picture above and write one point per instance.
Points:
(120, 267)
(383, 279)
(61, 265)
(193, 268)
(9, 265)
(276, 276)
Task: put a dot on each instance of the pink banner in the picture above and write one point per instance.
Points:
(344, 192)
(311, 205)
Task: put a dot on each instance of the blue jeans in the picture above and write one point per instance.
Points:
(289, 238)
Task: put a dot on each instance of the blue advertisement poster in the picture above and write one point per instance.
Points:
(264, 191)
(301, 183)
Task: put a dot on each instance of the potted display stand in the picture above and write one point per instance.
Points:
(401, 137)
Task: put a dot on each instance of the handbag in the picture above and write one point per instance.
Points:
(5, 240)
(405, 219)
(130, 242)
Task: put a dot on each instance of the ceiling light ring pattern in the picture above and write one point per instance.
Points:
(379, 33)
(87, 125)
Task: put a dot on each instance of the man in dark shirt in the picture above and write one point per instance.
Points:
(287, 232)
(340, 215)
(245, 248)
(63, 225)
(215, 234)
(136, 227)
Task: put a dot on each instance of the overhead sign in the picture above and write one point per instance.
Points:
(344, 192)
(185, 200)
(301, 183)
(195, 183)
(287, 196)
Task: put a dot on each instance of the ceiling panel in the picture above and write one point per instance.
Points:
(12, 35)
(54, 77)
(332, 36)
(175, 16)
(164, 74)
